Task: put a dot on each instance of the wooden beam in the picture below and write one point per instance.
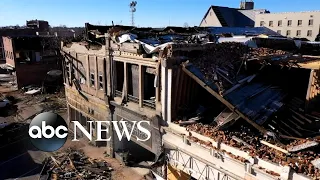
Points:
(221, 99)
(136, 61)
(275, 147)
(309, 89)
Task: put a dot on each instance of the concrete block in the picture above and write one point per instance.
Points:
(285, 172)
(269, 165)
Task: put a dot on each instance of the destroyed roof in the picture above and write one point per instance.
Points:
(254, 31)
(246, 86)
(257, 100)
(31, 36)
(168, 29)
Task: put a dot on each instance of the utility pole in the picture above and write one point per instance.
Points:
(133, 9)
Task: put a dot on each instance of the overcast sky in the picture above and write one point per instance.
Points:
(151, 13)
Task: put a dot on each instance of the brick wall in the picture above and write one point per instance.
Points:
(86, 102)
(8, 51)
(33, 74)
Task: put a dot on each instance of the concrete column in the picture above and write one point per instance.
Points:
(68, 115)
(141, 85)
(70, 68)
(285, 173)
(109, 68)
(158, 90)
(96, 74)
(125, 82)
(164, 92)
(157, 85)
(88, 72)
(169, 92)
(111, 144)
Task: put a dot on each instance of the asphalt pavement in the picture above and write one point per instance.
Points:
(19, 159)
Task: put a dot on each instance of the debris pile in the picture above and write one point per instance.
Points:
(74, 164)
(220, 62)
(246, 140)
(262, 52)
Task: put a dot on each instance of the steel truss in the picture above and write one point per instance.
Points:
(192, 166)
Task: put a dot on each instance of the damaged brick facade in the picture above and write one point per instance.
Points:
(30, 60)
(92, 93)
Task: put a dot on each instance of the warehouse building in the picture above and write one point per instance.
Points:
(244, 16)
(292, 24)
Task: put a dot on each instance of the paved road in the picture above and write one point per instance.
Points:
(18, 157)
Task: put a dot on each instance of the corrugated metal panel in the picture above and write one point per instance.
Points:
(257, 100)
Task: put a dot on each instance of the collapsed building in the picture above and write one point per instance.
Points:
(30, 57)
(217, 109)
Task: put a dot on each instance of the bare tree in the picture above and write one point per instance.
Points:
(186, 25)
(49, 43)
(44, 43)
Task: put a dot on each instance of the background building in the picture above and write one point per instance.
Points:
(292, 24)
(38, 24)
(30, 57)
(232, 17)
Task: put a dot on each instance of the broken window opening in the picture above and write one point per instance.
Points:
(133, 83)
(119, 78)
(149, 87)
(73, 75)
(83, 120)
(82, 77)
(67, 71)
(92, 83)
(195, 105)
(101, 82)
(311, 22)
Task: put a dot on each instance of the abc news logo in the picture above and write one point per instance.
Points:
(49, 131)
(37, 132)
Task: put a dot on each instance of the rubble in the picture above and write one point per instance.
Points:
(73, 164)
(262, 52)
(249, 141)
